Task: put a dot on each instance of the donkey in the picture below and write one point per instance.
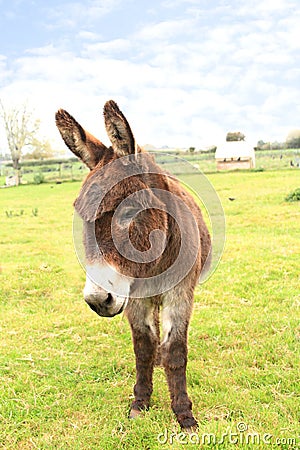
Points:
(145, 244)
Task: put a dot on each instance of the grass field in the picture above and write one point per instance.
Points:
(66, 375)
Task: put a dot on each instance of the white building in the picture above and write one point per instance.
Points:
(235, 155)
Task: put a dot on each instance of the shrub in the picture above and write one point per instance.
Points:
(293, 196)
(38, 178)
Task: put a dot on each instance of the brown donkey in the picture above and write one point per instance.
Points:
(145, 245)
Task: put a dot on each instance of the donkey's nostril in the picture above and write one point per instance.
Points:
(109, 300)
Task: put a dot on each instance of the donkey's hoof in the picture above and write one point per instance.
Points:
(134, 413)
(190, 430)
(188, 424)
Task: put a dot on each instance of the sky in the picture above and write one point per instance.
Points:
(184, 72)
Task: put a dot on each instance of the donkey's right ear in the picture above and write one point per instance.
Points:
(85, 146)
(118, 130)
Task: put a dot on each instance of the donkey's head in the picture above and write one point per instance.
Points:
(124, 221)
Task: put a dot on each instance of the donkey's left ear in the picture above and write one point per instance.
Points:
(118, 130)
(85, 146)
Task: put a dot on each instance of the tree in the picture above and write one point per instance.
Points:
(235, 136)
(21, 129)
(293, 139)
(40, 149)
(192, 149)
(260, 144)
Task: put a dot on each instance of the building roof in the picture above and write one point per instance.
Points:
(234, 149)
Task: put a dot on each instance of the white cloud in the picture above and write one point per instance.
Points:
(265, 8)
(179, 81)
(75, 14)
(107, 47)
(88, 35)
(164, 30)
(4, 71)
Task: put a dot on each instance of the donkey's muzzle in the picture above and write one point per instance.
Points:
(109, 307)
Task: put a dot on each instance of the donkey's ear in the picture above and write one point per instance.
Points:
(89, 149)
(118, 130)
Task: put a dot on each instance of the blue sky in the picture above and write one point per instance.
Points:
(184, 71)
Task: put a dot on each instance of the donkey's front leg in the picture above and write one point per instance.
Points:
(140, 315)
(175, 321)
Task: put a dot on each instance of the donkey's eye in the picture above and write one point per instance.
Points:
(126, 215)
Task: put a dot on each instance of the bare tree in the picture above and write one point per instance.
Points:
(21, 129)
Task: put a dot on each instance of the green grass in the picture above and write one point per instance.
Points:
(30, 174)
(66, 375)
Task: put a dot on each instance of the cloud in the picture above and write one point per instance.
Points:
(88, 35)
(182, 74)
(265, 8)
(70, 15)
(4, 71)
(165, 30)
(113, 47)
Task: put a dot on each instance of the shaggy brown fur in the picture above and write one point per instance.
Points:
(175, 303)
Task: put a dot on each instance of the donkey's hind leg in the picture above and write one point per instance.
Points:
(175, 321)
(145, 341)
